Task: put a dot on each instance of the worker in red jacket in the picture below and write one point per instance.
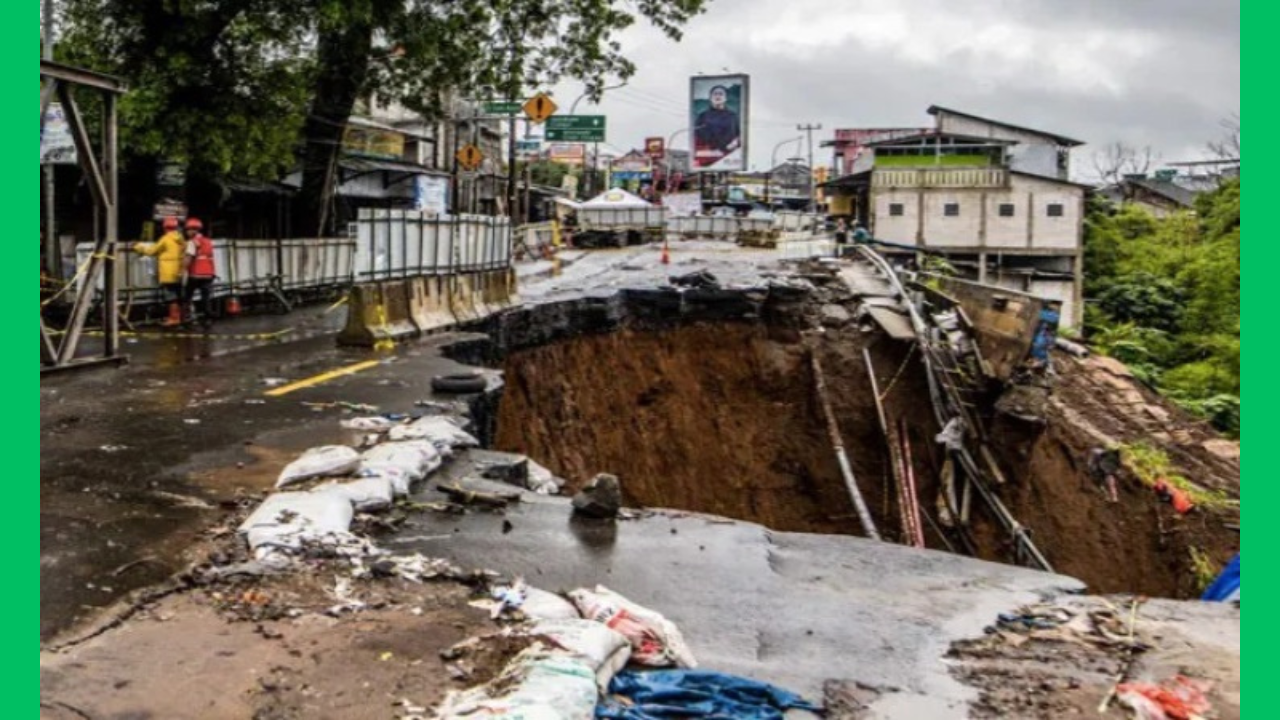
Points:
(201, 271)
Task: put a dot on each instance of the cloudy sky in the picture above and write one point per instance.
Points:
(1162, 73)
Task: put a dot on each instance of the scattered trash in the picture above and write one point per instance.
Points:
(601, 499)
(191, 421)
(112, 449)
(1178, 498)
(1227, 587)
(1178, 699)
(655, 641)
(331, 461)
(684, 693)
(274, 382)
(1071, 348)
(542, 481)
(952, 436)
(255, 401)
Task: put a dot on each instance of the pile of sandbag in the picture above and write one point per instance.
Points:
(579, 648)
(351, 482)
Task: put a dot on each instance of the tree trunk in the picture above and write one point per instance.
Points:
(344, 67)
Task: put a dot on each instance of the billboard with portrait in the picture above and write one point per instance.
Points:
(719, 123)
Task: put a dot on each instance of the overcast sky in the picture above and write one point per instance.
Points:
(1162, 73)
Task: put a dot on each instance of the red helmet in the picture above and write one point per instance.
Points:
(194, 224)
(171, 223)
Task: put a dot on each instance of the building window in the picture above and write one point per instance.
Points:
(1057, 210)
(1008, 210)
(897, 210)
(951, 210)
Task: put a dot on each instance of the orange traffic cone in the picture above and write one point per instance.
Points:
(175, 316)
(666, 252)
(233, 306)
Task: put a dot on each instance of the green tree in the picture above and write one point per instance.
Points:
(239, 86)
(1166, 298)
(416, 51)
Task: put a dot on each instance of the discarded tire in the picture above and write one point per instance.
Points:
(459, 384)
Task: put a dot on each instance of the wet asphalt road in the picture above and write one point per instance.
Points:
(135, 461)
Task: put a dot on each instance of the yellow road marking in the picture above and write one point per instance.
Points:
(324, 378)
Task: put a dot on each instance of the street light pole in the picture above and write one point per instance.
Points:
(53, 251)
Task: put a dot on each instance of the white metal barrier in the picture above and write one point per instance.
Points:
(717, 227)
(606, 219)
(383, 245)
(788, 221)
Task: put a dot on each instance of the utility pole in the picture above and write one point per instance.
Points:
(813, 180)
(53, 251)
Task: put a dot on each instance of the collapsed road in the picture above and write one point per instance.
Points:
(703, 399)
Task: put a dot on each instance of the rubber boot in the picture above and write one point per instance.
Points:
(175, 316)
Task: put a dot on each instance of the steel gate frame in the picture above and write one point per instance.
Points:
(58, 349)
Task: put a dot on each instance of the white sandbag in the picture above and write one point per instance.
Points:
(443, 432)
(543, 686)
(404, 463)
(286, 521)
(370, 494)
(369, 424)
(332, 461)
(401, 483)
(543, 605)
(605, 651)
(655, 641)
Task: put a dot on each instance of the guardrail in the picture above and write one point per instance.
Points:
(608, 219)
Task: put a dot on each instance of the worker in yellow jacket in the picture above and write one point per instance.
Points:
(170, 252)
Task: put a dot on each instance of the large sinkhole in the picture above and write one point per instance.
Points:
(716, 419)
(725, 419)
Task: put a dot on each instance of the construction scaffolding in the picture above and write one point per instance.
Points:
(60, 339)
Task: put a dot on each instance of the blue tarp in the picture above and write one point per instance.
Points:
(697, 694)
(1227, 587)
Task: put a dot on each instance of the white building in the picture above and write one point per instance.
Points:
(991, 196)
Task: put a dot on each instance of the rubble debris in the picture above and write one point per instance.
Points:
(685, 693)
(491, 501)
(601, 499)
(330, 461)
(701, 280)
(835, 316)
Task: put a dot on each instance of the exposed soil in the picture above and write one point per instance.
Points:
(723, 419)
(720, 420)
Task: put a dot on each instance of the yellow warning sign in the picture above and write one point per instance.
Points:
(470, 157)
(539, 108)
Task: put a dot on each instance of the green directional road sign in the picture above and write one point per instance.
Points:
(503, 108)
(576, 128)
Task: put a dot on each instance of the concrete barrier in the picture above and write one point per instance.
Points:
(462, 301)
(502, 291)
(429, 304)
(378, 312)
(480, 294)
